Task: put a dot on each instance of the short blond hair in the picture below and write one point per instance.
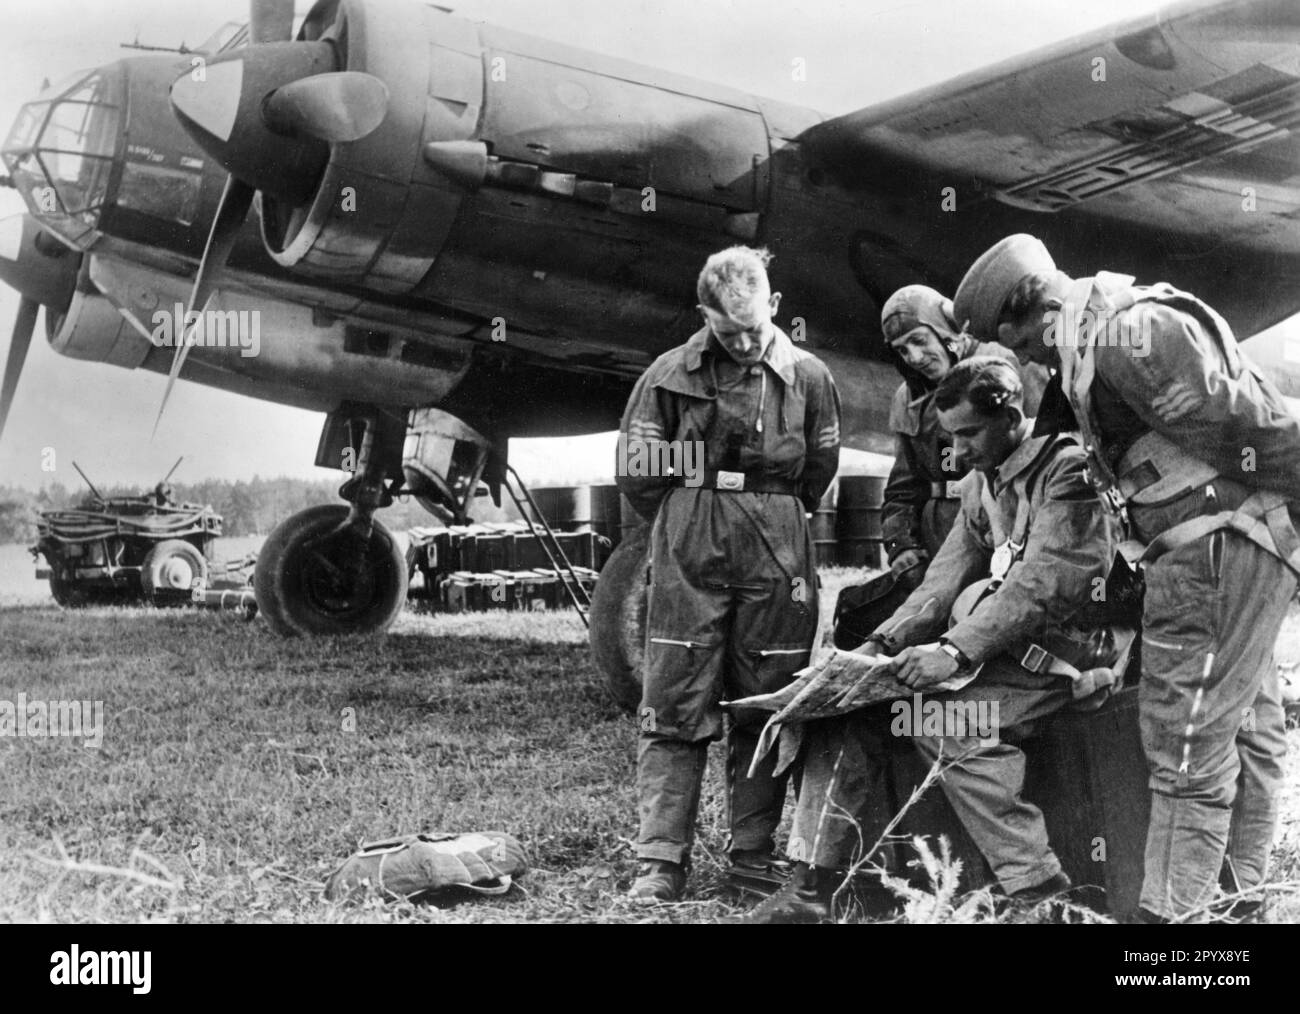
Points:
(735, 273)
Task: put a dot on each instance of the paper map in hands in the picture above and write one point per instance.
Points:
(838, 682)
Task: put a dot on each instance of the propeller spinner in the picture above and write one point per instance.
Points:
(44, 273)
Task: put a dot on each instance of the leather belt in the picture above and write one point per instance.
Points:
(740, 482)
(950, 490)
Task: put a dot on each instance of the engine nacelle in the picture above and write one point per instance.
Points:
(279, 350)
(434, 162)
(380, 213)
(476, 106)
(92, 329)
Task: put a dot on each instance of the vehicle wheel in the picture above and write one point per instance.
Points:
(618, 618)
(302, 586)
(67, 593)
(169, 571)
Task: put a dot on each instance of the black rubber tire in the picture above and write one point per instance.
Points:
(293, 585)
(157, 579)
(618, 609)
(69, 596)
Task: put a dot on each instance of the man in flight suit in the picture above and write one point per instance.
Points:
(1200, 451)
(1031, 544)
(732, 605)
(921, 499)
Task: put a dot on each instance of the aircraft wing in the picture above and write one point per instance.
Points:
(1165, 148)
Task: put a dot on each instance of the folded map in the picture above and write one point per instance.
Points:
(834, 679)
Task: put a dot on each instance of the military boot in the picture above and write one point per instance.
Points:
(1049, 890)
(1242, 910)
(1051, 894)
(757, 871)
(658, 881)
(805, 898)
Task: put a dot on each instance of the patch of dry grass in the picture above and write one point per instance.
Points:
(232, 779)
(229, 785)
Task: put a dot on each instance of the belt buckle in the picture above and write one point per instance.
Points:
(1034, 658)
(733, 482)
(952, 489)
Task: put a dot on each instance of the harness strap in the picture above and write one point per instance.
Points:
(1078, 369)
(1263, 518)
(1009, 547)
(1085, 684)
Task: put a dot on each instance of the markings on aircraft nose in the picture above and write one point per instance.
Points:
(573, 95)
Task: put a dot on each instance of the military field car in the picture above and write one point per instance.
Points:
(123, 549)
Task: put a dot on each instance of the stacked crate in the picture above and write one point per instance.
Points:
(465, 568)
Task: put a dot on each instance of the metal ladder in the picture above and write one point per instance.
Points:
(550, 545)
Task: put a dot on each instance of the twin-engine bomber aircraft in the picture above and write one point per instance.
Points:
(454, 233)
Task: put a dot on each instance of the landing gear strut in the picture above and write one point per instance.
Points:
(334, 569)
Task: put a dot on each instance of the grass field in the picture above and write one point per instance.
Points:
(237, 770)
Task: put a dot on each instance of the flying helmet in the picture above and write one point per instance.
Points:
(916, 306)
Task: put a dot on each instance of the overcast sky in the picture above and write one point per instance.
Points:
(856, 53)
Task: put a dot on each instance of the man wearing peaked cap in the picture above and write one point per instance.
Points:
(1193, 447)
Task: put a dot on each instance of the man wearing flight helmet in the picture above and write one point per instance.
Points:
(921, 499)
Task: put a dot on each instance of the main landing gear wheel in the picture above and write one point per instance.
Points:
(314, 576)
(169, 571)
(618, 610)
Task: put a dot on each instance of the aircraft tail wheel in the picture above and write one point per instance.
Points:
(618, 609)
(307, 581)
(169, 571)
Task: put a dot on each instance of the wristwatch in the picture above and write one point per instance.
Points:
(963, 663)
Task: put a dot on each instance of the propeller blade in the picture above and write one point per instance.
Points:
(270, 21)
(18, 345)
(35, 264)
(338, 107)
(236, 199)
